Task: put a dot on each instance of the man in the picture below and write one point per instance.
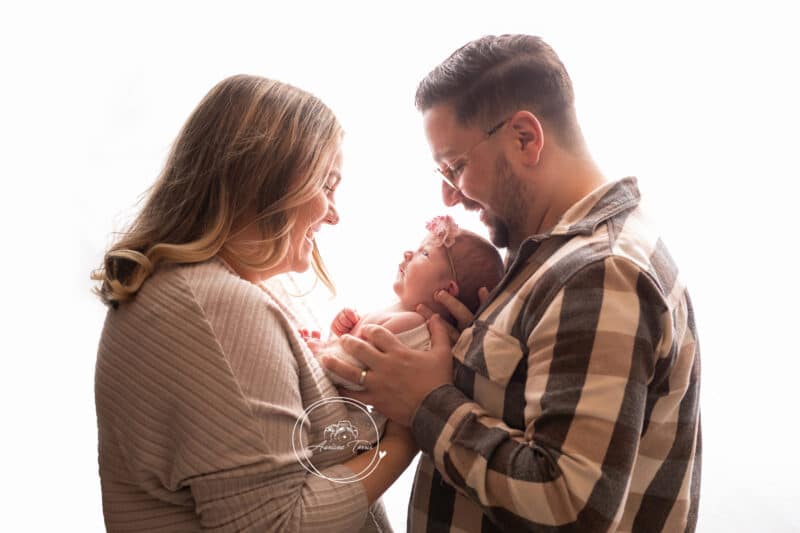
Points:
(570, 402)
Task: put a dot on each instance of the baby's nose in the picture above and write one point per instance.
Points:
(408, 255)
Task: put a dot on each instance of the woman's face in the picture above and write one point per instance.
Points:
(421, 273)
(319, 210)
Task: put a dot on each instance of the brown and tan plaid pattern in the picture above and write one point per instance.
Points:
(575, 404)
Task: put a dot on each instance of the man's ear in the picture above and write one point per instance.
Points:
(528, 136)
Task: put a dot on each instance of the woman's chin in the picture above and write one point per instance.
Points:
(302, 264)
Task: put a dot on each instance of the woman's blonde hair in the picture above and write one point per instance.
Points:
(253, 151)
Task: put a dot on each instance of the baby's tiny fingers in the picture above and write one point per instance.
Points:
(458, 310)
(351, 315)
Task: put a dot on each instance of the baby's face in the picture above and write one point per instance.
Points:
(421, 273)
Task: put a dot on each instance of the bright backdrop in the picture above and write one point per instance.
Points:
(699, 100)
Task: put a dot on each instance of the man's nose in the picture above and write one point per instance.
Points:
(450, 196)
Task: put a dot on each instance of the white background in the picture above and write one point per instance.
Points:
(698, 101)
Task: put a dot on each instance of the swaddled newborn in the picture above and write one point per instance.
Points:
(449, 258)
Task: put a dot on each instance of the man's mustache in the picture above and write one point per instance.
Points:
(470, 205)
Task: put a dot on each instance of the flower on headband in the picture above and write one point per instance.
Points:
(443, 230)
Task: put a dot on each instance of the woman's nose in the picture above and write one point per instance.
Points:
(333, 216)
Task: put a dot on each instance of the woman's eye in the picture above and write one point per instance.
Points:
(330, 185)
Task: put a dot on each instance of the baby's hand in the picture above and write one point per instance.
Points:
(312, 339)
(344, 322)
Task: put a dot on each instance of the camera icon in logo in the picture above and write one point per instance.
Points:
(341, 435)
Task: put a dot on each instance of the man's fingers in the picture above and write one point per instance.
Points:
(381, 338)
(483, 295)
(458, 310)
(442, 332)
(369, 356)
(363, 397)
(341, 368)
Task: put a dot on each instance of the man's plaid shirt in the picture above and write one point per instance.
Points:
(575, 403)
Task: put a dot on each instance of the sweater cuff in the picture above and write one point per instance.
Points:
(433, 415)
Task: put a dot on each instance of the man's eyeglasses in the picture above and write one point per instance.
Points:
(451, 173)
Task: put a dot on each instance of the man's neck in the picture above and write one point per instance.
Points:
(561, 187)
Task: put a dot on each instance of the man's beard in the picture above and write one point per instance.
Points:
(509, 195)
(498, 231)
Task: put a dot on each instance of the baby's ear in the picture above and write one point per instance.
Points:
(452, 288)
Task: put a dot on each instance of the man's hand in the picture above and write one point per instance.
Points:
(458, 310)
(344, 322)
(398, 378)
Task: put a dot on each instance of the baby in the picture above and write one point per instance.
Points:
(449, 258)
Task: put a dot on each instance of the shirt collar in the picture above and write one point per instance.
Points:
(602, 204)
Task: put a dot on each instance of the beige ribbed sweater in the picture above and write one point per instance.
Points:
(199, 382)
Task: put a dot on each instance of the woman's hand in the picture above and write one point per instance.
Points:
(457, 310)
(344, 322)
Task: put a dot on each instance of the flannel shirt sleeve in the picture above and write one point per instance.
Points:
(590, 358)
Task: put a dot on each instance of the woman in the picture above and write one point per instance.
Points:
(201, 378)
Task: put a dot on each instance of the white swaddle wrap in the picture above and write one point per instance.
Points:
(418, 338)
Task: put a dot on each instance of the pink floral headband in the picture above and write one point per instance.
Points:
(444, 231)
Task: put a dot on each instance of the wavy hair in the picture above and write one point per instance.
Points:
(254, 150)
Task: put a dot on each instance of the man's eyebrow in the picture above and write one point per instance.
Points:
(438, 156)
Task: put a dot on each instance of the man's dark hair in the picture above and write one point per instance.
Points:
(490, 78)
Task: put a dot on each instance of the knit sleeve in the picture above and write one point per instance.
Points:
(209, 398)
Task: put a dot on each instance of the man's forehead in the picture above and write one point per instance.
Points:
(443, 130)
